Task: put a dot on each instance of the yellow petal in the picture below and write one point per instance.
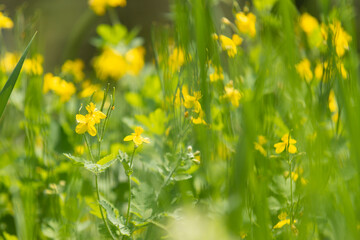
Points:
(292, 149)
(81, 128)
(91, 129)
(80, 118)
(137, 140)
(280, 147)
(129, 138)
(146, 140)
(138, 130)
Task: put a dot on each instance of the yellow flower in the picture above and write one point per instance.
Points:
(59, 86)
(342, 70)
(34, 65)
(217, 74)
(233, 95)
(319, 70)
(304, 69)
(176, 59)
(283, 220)
(280, 147)
(200, 118)
(75, 68)
(193, 101)
(87, 123)
(136, 137)
(8, 62)
(341, 38)
(332, 102)
(259, 145)
(237, 39)
(135, 60)
(91, 89)
(246, 23)
(5, 22)
(110, 64)
(308, 23)
(99, 6)
(228, 45)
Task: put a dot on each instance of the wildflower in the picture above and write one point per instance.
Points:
(99, 6)
(5, 22)
(283, 220)
(228, 45)
(233, 95)
(75, 68)
(217, 74)
(59, 86)
(246, 23)
(136, 137)
(34, 65)
(341, 38)
(110, 64)
(192, 101)
(332, 102)
(87, 123)
(176, 59)
(200, 118)
(135, 60)
(90, 89)
(237, 39)
(8, 62)
(308, 23)
(304, 69)
(259, 145)
(286, 142)
(225, 21)
(319, 70)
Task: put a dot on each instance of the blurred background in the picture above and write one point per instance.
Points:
(66, 25)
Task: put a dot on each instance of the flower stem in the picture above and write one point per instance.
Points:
(129, 182)
(291, 192)
(101, 211)
(88, 146)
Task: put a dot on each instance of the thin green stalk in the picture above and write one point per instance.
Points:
(291, 191)
(88, 146)
(101, 211)
(129, 181)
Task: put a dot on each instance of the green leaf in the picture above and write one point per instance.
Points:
(114, 217)
(76, 160)
(124, 159)
(182, 177)
(107, 159)
(112, 34)
(9, 86)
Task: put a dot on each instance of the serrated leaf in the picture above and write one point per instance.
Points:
(182, 177)
(77, 160)
(9, 85)
(114, 217)
(124, 159)
(107, 159)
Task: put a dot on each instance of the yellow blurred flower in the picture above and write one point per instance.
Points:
(192, 101)
(91, 89)
(99, 6)
(304, 69)
(217, 74)
(287, 143)
(135, 60)
(176, 59)
(228, 45)
(75, 68)
(237, 39)
(259, 145)
(59, 86)
(200, 118)
(110, 64)
(332, 102)
(341, 38)
(308, 23)
(136, 137)
(283, 221)
(5, 22)
(34, 65)
(231, 94)
(246, 23)
(87, 123)
(319, 69)
(8, 62)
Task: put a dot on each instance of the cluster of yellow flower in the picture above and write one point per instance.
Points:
(86, 123)
(317, 36)
(34, 65)
(333, 106)
(114, 65)
(231, 94)
(74, 68)
(192, 102)
(59, 86)
(99, 6)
